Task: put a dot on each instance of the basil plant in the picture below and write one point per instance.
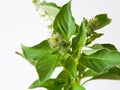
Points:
(70, 47)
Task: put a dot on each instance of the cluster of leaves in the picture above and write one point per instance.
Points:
(65, 49)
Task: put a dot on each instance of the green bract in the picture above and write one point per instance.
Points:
(65, 49)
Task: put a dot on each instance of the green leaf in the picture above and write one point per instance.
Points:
(76, 86)
(89, 73)
(93, 37)
(89, 52)
(104, 46)
(101, 60)
(64, 23)
(54, 84)
(46, 65)
(99, 21)
(113, 73)
(65, 75)
(35, 84)
(37, 51)
(71, 66)
(97, 47)
(50, 8)
(51, 84)
(79, 41)
(67, 87)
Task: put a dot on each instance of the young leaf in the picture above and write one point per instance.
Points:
(76, 86)
(93, 37)
(64, 23)
(50, 8)
(37, 51)
(45, 66)
(98, 22)
(71, 66)
(79, 41)
(101, 60)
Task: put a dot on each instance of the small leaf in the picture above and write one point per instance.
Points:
(64, 23)
(76, 86)
(99, 21)
(101, 60)
(45, 66)
(71, 66)
(79, 41)
(50, 8)
(93, 37)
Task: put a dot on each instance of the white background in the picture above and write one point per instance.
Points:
(20, 24)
